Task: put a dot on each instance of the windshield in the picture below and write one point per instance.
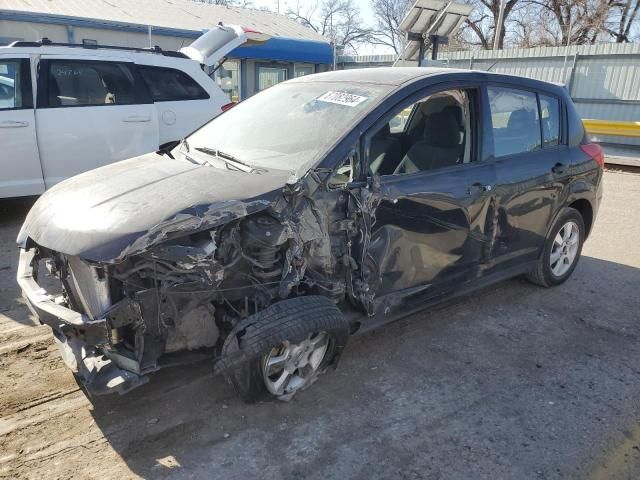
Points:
(288, 127)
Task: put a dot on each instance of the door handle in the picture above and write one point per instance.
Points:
(12, 124)
(478, 187)
(558, 168)
(137, 118)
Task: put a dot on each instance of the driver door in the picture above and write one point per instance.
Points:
(434, 224)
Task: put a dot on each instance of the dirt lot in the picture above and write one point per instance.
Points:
(513, 382)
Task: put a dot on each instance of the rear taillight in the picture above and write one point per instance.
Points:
(594, 151)
(228, 106)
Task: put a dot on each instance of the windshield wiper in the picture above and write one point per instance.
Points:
(230, 160)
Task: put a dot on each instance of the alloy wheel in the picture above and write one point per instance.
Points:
(565, 249)
(290, 367)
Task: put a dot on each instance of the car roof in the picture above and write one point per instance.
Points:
(396, 77)
(97, 53)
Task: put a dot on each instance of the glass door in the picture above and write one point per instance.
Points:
(270, 76)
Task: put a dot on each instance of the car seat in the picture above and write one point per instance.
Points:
(384, 151)
(438, 148)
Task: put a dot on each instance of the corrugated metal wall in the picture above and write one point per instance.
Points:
(604, 80)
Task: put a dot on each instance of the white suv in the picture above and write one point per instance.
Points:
(65, 109)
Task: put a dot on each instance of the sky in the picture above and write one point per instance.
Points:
(366, 14)
(365, 7)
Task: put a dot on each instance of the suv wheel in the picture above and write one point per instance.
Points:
(562, 250)
(284, 348)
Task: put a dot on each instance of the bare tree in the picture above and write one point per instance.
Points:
(576, 21)
(480, 28)
(338, 20)
(629, 16)
(388, 15)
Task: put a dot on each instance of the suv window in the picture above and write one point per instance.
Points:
(550, 113)
(15, 84)
(83, 83)
(515, 119)
(432, 133)
(167, 84)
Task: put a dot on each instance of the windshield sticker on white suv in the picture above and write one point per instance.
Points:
(342, 98)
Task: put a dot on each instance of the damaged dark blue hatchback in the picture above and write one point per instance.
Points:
(319, 208)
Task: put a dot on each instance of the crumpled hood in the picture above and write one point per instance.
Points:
(122, 208)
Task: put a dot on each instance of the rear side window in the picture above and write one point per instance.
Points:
(516, 122)
(550, 114)
(84, 83)
(167, 84)
(15, 84)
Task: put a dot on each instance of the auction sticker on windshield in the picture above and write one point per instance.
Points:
(342, 98)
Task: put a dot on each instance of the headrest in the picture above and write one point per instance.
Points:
(442, 130)
(385, 131)
(522, 119)
(456, 111)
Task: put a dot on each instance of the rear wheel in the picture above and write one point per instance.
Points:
(562, 250)
(282, 349)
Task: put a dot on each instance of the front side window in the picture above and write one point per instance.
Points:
(430, 134)
(168, 84)
(84, 83)
(550, 113)
(12, 73)
(515, 119)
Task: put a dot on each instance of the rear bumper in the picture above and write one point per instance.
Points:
(79, 338)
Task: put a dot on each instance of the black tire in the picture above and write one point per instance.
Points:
(542, 274)
(289, 320)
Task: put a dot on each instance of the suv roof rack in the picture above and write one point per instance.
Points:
(92, 44)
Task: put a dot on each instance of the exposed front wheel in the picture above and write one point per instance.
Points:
(562, 250)
(290, 367)
(282, 349)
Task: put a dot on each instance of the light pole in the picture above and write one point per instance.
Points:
(498, 29)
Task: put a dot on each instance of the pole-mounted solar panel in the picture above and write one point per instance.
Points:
(430, 23)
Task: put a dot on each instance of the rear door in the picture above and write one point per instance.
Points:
(19, 160)
(531, 165)
(91, 113)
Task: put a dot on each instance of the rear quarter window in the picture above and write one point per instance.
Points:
(168, 84)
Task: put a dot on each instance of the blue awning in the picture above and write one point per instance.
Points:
(288, 50)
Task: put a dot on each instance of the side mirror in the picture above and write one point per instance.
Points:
(166, 148)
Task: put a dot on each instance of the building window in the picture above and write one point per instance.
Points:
(228, 79)
(300, 70)
(270, 76)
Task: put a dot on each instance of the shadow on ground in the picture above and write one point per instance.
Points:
(514, 381)
(12, 213)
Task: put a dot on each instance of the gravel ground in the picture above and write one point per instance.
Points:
(513, 382)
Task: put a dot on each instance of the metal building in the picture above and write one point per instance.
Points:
(293, 50)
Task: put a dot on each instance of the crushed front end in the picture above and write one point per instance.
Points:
(184, 288)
